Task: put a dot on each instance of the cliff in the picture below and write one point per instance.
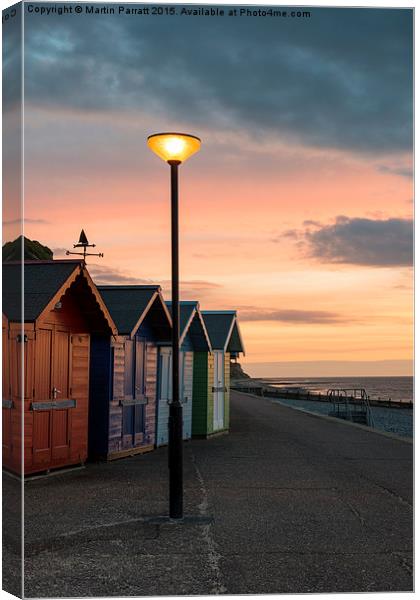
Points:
(236, 371)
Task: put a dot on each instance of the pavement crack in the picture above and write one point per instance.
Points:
(354, 510)
(214, 556)
(395, 495)
(358, 515)
(103, 533)
(405, 562)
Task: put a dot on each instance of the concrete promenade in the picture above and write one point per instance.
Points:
(287, 502)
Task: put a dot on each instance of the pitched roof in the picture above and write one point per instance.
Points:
(223, 330)
(192, 323)
(42, 280)
(186, 309)
(129, 304)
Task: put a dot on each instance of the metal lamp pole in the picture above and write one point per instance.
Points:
(175, 408)
(175, 148)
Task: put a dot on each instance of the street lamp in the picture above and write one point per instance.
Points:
(175, 148)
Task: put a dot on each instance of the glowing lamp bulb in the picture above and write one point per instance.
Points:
(175, 147)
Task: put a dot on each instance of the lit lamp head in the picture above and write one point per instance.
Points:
(174, 148)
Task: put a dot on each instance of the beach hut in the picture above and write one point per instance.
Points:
(62, 309)
(124, 372)
(193, 338)
(212, 373)
(7, 413)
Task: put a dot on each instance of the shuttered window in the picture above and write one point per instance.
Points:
(129, 369)
(135, 370)
(140, 370)
(139, 418)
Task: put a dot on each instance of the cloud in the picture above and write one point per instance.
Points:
(342, 78)
(289, 233)
(59, 251)
(17, 221)
(291, 316)
(12, 58)
(396, 170)
(103, 275)
(360, 241)
(311, 223)
(194, 289)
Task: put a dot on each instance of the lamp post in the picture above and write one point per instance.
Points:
(175, 148)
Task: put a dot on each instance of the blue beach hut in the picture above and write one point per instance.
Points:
(193, 338)
(123, 376)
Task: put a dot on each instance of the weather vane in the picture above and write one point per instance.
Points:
(83, 243)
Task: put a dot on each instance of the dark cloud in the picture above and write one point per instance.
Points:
(291, 316)
(382, 243)
(289, 233)
(395, 170)
(12, 57)
(342, 78)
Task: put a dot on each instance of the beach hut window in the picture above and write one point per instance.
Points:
(129, 369)
(139, 390)
(134, 371)
(134, 387)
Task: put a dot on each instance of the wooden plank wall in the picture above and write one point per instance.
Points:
(115, 409)
(187, 394)
(6, 411)
(227, 393)
(80, 391)
(151, 393)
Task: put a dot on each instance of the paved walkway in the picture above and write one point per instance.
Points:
(288, 502)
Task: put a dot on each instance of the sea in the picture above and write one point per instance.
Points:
(399, 389)
(392, 420)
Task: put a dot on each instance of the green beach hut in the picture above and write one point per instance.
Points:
(193, 338)
(211, 391)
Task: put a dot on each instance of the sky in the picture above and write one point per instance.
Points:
(298, 209)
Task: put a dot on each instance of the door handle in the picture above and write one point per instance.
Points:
(55, 391)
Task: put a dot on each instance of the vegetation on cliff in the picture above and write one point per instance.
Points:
(32, 250)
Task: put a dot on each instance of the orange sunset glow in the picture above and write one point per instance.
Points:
(302, 222)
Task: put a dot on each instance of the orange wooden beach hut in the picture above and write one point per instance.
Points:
(62, 308)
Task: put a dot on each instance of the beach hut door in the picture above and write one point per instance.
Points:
(51, 416)
(134, 392)
(218, 390)
(165, 395)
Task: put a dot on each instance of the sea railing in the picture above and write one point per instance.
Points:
(351, 404)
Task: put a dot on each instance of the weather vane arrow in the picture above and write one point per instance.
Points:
(84, 243)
